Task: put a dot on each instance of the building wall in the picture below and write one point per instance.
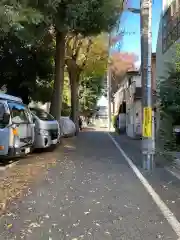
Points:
(134, 119)
(166, 49)
(119, 95)
(134, 108)
(153, 72)
(137, 79)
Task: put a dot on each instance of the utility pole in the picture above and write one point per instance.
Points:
(148, 141)
(109, 87)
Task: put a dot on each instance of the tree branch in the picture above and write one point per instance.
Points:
(87, 52)
(77, 50)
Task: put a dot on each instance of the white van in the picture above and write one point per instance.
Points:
(47, 131)
(16, 127)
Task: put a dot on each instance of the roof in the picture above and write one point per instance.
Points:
(9, 97)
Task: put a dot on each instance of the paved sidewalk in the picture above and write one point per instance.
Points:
(165, 184)
(91, 193)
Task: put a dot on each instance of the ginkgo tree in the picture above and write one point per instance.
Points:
(86, 58)
(62, 18)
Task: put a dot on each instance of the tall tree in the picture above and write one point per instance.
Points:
(89, 93)
(78, 17)
(85, 58)
(62, 17)
(77, 50)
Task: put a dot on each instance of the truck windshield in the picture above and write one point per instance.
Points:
(42, 115)
(19, 113)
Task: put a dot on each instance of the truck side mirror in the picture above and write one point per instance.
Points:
(6, 118)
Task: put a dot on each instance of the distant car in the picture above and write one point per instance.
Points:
(47, 131)
(67, 127)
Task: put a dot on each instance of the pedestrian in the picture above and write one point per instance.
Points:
(80, 123)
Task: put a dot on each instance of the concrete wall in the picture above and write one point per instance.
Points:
(137, 79)
(119, 95)
(134, 119)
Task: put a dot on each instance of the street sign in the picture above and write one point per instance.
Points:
(147, 122)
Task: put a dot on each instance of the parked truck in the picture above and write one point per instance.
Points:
(16, 127)
(22, 129)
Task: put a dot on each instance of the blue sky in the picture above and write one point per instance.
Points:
(131, 23)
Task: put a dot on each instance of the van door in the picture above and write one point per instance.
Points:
(31, 125)
(21, 118)
(4, 130)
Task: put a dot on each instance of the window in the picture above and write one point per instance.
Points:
(41, 114)
(170, 29)
(18, 113)
(2, 111)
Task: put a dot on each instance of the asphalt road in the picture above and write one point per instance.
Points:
(91, 193)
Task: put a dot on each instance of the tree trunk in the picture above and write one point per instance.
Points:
(56, 102)
(74, 81)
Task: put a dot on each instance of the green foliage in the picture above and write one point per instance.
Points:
(169, 96)
(97, 57)
(27, 30)
(14, 14)
(89, 92)
(89, 57)
(86, 18)
(177, 58)
(83, 16)
(66, 97)
(26, 69)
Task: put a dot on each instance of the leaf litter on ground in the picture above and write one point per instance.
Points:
(18, 178)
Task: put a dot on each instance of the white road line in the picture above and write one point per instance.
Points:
(173, 173)
(175, 224)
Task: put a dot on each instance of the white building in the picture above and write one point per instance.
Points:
(168, 36)
(133, 104)
(127, 101)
